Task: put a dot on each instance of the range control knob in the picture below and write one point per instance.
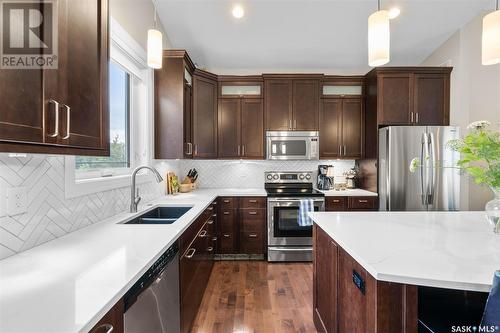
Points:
(269, 176)
(308, 176)
(275, 176)
(301, 176)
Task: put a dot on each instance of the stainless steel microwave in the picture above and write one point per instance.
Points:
(292, 145)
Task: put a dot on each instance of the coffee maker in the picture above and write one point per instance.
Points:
(325, 177)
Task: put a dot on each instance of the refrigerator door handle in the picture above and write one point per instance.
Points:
(424, 157)
(432, 170)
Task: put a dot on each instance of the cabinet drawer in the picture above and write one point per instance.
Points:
(253, 202)
(251, 242)
(227, 203)
(252, 219)
(336, 203)
(226, 244)
(226, 220)
(362, 203)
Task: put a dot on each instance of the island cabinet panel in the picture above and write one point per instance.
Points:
(326, 282)
(204, 115)
(242, 224)
(347, 299)
(62, 110)
(112, 321)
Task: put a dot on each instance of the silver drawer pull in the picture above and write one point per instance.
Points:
(336, 201)
(214, 238)
(362, 201)
(252, 235)
(226, 235)
(252, 213)
(252, 201)
(214, 215)
(203, 233)
(226, 213)
(56, 114)
(190, 253)
(68, 121)
(227, 201)
(210, 222)
(210, 208)
(104, 328)
(210, 249)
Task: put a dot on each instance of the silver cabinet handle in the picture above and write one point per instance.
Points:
(336, 200)
(190, 148)
(190, 253)
(210, 249)
(252, 201)
(214, 215)
(295, 124)
(239, 149)
(203, 234)
(411, 117)
(68, 121)
(226, 213)
(226, 201)
(104, 328)
(340, 150)
(290, 126)
(243, 150)
(252, 213)
(214, 238)
(363, 201)
(226, 235)
(210, 222)
(252, 235)
(210, 208)
(56, 112)
(416, 117)
(195, 150)
(345, 150)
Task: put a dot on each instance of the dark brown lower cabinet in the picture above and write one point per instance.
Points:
(196, 264)
(242, 225)
(339, 204)
(347, 299)
(111, 321)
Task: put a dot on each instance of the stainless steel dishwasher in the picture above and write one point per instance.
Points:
(152, 305)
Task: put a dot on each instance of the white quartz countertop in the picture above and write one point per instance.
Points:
(456, 250)
(68, 284)
(355, 192)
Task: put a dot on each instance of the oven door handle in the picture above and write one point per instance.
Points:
(294, 200)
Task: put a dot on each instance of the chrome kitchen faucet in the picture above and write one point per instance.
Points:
(134, 197)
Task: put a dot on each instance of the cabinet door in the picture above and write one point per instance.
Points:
(325, 281)
(278, 101)
(21, 117)
(252, 128)
(81, 86)
(229, 128)
(305, 105)
(188, 113)
(335, 204)
(395, 98)
(330, 128)
(431, 99)
(352, 117)
(204, 118)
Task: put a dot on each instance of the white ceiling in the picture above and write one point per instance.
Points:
(307, 35)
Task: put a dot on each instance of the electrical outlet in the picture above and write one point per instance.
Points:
(17, 200)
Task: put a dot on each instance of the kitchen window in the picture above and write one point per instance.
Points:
(130, 112)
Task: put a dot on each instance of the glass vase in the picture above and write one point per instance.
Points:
(492, 209)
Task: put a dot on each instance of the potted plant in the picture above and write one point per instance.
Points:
(480, 158)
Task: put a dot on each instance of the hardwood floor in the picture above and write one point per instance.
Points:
(257, 296)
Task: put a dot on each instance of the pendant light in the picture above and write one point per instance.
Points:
(491, 38)
(155, 47)
(379, 38)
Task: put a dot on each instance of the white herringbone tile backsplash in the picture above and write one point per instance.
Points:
(50, 214)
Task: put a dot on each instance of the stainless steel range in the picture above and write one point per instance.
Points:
(287, 239)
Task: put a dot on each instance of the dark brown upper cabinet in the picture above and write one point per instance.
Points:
(173, 106)
(204, 123)
(341, 128)
(417, 96)
(241, 128)
(63, 110)
(291, 102)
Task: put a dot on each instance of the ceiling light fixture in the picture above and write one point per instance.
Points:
(379, 38)
(394, 12)
(155, 45)
(491, 38)
(238, 11)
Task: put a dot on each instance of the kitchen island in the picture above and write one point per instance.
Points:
(369, 266)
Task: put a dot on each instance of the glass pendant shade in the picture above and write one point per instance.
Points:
(491, 38)
(379, 38)
(155, 48)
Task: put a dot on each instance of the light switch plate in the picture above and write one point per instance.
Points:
(17, 200)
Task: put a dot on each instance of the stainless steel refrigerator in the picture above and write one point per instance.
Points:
(433, 186)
